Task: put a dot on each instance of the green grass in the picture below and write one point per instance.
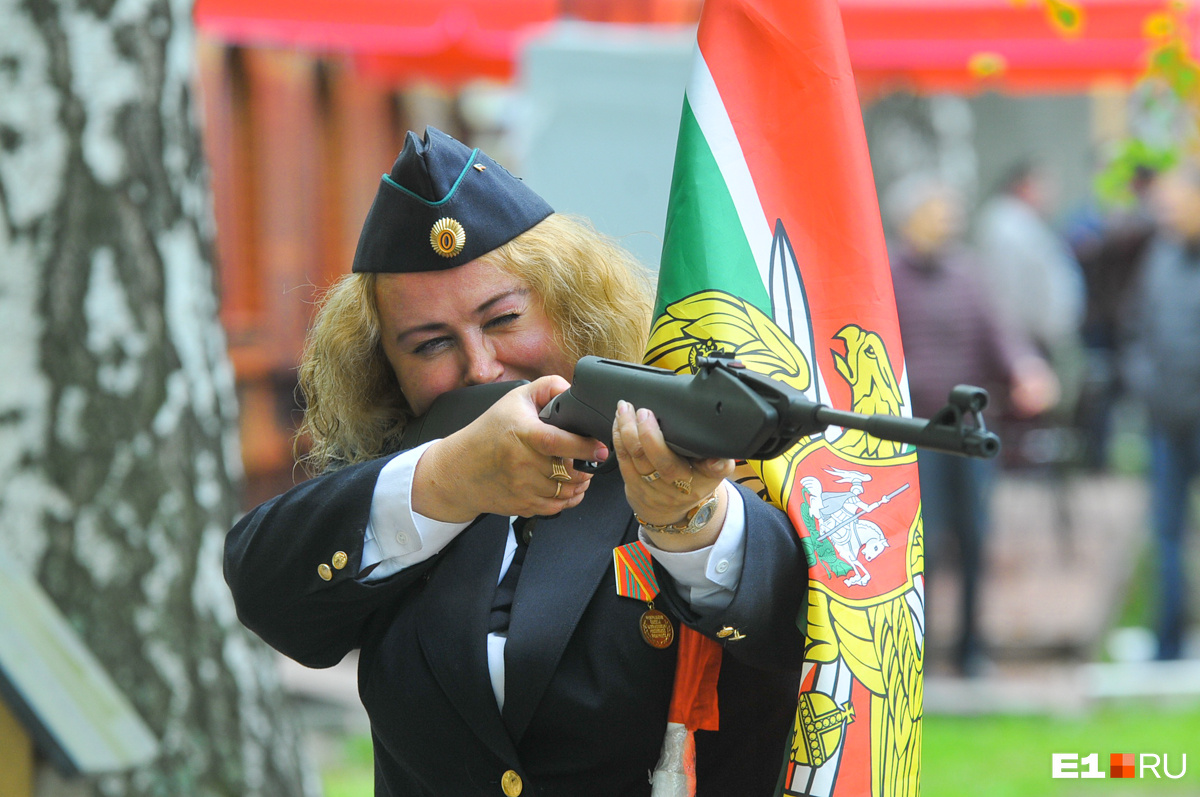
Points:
(998, 756)
(987, 756)
(351, 774)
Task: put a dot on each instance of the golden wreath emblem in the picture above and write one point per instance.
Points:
(447, 237)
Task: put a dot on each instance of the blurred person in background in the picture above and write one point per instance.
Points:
(1109, 241)
(1162, 367)
(1038, 288)
(952, 335)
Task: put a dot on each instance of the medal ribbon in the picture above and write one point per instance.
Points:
(694, 699)
(635, 572)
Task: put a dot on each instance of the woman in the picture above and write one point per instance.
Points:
(476, 682)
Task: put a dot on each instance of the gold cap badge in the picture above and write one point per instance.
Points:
(448, 237)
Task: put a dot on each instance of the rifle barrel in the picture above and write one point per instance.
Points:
(915, 431)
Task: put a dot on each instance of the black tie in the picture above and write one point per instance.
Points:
(506, 590)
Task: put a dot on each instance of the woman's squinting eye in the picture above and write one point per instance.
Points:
(501, 320)
(431, 346)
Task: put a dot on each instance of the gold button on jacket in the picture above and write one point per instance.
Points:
(324, 571)
(510, 782)
(339, 560)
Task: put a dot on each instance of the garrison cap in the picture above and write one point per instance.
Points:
(443, 205)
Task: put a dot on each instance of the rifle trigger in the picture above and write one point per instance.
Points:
(588, 466)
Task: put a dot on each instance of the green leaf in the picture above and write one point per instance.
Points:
(1113, 186)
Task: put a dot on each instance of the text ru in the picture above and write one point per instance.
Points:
(1071, 765)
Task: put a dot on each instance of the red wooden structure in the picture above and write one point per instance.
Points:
(961, 45)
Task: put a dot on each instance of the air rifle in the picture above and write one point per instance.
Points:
(722, 410)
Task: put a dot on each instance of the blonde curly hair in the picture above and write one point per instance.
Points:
(598, 298)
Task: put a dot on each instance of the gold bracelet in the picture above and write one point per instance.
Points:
(696, 519)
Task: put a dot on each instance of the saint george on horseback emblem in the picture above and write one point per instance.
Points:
(835, 517)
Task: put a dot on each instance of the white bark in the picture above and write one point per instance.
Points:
(118, 446)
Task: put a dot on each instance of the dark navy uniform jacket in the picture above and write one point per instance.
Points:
(586, 698)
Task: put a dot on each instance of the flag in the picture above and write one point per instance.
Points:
(774, 251)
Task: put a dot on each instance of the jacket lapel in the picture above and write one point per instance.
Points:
(452, 627)
(567, 559)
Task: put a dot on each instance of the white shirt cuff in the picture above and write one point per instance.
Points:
(397, 536)
(709, 577)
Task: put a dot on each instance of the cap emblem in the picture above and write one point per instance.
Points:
(447, 237)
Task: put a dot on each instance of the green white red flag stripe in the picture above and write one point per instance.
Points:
(711, 178)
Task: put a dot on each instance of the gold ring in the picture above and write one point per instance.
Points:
(682, 486)
(652, 477)
(557, 488)
(558, 470)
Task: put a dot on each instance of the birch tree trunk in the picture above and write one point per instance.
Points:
(118, 445)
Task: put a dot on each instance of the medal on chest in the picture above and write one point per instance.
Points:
(635, 579)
